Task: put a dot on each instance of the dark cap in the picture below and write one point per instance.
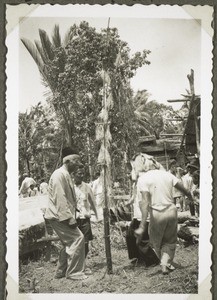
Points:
(69, 151)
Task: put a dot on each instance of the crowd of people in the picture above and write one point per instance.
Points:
(190, 180)
(157, 196)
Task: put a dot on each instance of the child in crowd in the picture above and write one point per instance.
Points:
(177, 195)
(85, 202)
(187, 181)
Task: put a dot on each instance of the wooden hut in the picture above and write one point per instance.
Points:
(163, 149)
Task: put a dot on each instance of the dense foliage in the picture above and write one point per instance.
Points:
(73, 71)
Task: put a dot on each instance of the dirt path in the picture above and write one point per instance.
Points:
(38, 276)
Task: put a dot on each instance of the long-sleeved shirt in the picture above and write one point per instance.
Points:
(62, 201)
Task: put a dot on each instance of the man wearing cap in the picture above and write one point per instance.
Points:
(156, 197)
(61, 213)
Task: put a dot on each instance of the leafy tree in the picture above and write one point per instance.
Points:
(72, 70)
(39, 142)
(155, 118)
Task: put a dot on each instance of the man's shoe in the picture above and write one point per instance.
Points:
(87, 271)
(59, 275)
(165, 270)
(171, 267)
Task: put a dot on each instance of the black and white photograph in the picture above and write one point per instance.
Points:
(109, 151)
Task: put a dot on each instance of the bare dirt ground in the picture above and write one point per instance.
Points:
(37, 275)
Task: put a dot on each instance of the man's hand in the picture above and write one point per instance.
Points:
(138, 234)
(72, 221)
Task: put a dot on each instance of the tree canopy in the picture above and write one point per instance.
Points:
(72, 69)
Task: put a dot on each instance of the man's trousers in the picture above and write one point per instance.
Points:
(72, 256)
(163, 233)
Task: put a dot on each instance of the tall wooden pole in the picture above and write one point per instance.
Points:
(106, 219)
(197, 134)
(105, 189)
(105, 178)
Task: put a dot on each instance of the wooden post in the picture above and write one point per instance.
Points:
(106, 175)
(106, 224)
(197, 131)
(197, 134)
(191, 82)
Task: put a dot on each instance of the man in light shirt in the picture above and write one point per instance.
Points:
(61, 213)
(156, 190)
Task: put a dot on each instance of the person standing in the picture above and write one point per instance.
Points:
(60, 213)
(43, 188)
(176, 193)
(188, 184)
(85, 202)
(140, 250)
(97, 188)
(27, 186)
(156, 191)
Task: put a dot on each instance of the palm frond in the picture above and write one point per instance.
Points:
(69, 35)
(41, 51)
(56, 38)
(46, 44)
(33, 52)
(67, 38)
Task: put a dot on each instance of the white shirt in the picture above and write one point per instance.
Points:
(187, 181)
(98, 191)
(82, 192)
(159, 184)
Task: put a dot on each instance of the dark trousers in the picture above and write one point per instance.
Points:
(143, 251)
(85, 227)
(192, 208)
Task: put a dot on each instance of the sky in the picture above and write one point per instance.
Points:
(175, 46)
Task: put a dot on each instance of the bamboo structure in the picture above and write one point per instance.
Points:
(104, 136)
(191, 98)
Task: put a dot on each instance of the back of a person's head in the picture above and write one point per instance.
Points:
(144, 163)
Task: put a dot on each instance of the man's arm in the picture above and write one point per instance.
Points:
(92, 202)
(59, 184)
(144, 207)
(182, 189)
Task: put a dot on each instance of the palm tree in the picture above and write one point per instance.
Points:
(44, 53)
(142, 115)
